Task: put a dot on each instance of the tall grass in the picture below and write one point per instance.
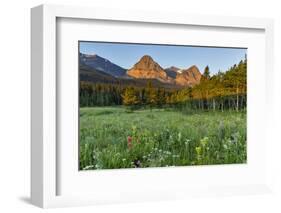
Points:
(159, 138)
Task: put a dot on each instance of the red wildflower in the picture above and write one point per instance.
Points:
(129, 142)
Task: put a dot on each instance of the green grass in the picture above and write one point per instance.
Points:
(159, 138)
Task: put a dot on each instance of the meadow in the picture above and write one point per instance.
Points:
(113, 137)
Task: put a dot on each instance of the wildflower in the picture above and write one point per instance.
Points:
(179, 136)
(129, 142)
(89, 167)
(204, 141)
(168, 153)
(198, 150)
(98, 166)
(187, 141)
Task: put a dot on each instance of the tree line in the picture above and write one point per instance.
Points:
(222, 91)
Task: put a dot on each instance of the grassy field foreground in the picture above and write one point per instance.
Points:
(111, 137)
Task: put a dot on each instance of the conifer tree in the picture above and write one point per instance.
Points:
(151, 95)
(130, 98)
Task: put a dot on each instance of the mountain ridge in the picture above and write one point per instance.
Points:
(145, 68)
(102, 64)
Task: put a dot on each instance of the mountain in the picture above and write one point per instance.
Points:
(94, 68)
(88, 74)
(98, 63)
(188, 77)
(147, 68)
(172, 71)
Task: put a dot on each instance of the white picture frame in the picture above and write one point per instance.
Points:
(44, 154)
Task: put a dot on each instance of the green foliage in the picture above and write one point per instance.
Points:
(163, 137)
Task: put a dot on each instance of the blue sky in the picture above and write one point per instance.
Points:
(126, 55)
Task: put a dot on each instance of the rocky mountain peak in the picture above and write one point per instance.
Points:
(173, 68)
(147, 63)
(172, 71)
(147, 68)
(189, 77)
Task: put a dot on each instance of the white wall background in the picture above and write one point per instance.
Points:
(15, 104)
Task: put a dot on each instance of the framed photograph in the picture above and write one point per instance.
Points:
(130, 106)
